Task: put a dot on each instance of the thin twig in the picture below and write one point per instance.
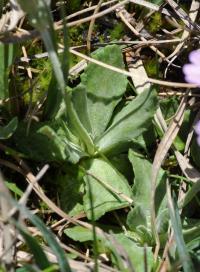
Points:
(24, 198)
(92, 25)
(98, 15)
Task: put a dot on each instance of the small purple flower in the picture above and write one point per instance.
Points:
(192, 70)
(197, 130)
(192, 75)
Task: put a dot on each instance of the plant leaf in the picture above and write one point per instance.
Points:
(81, 234)
(70, 189)
(116, 243)
(79, 100)
(141, 214)
(48, 141)
(135, 253)
(78, 233)
(8, 130)
(129, 123)
(107, 200)
(77, 127)
(104, 87)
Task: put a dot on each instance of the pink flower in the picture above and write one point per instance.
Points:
(197, 130)
(192, 75)
(192, 70)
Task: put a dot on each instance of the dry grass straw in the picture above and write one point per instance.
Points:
(169, 133)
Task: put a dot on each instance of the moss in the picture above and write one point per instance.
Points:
(155, 22)
(77, 34)
(151, 67)
(117, 31)
(74, 5)
(40, 82)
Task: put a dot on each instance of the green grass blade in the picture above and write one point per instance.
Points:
(50, 238)
(178, 235)
(7, 55)
(54, 96)
(53, 101)
(56, 65)
(39, 255)
(14, 188)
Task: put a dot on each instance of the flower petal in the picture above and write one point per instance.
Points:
(193, 79)
(197, 128)
(191, 69)
(198, 140)
(194, 57)
(192, 73)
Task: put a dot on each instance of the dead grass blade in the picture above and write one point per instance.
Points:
(161, 153)
(91, 26)
(189, 171)
(150, 6)
(192, 16)
(7, 235)
(183, 15)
